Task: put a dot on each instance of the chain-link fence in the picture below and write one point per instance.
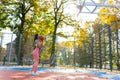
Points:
(101, 51)
(14, 48)
(107, 48)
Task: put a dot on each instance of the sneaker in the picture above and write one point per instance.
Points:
(35, 74)
(31, 72)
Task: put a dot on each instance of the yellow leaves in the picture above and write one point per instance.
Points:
(35, 3)
(36, 6)
(45, 56)
(35, 26)
(81, 35)
(43, 22)
(97, 26)
(1, 6)
(79, 42)
(115, 26)
(82, 32)
(110, 1)
(44, 42)
(114, 10)
(112, 18)
(103, 16)
(76, 33)
(86, 25)
(36, 10)
(28, 16)
(96, 20)
(103, 9)
(118, 25)
(69, 44)
(108, 18)
(41, 28)
(49, 4)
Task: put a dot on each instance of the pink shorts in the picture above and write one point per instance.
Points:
(36, 53)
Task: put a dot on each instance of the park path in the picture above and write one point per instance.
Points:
(46, 75)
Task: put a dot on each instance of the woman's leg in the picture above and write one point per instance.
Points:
(34, 68)
(36, 61)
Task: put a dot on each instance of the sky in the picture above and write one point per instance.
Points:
(7, 37)
(73, 11)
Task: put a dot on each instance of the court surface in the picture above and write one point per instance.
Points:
(46, 75)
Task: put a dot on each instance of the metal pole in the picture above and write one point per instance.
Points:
(1, 45)
(110, 48)
(100, 54)
(92, 51)
(74, 54)
(10, 49)
(19, 49)
(117, 46)
(105, 51)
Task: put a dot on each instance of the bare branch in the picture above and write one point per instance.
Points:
(27, 9)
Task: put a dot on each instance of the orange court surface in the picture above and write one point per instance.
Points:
(46, 75)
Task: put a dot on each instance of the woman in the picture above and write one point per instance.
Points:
(35, 38)
(38, 45)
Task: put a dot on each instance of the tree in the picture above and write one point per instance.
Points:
(17, 19)
(3, 16)
(108, 18)
(59, 20)
(35, 16)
